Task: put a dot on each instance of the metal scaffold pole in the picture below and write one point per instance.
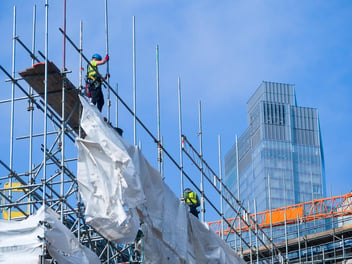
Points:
(160, 161)
(80, 78)
(271, 220)
(256, 231)
(12, 102)
(81, 69)
(237, 170)
(202, 203)
(286, 239)
(180, 134)
(238, 183)
(45, 99)
(46, 44)
(63, 116)
(134, 82)
(64, 38)
(117, 106)
(250, 234)
(107, 64)
(299, 239)
(13, 86)
(221, 192)
(30, 110)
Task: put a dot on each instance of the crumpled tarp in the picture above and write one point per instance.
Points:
(123, 192)
(22, 241)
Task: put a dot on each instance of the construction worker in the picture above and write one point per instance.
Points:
(192, 200)
(94, 80)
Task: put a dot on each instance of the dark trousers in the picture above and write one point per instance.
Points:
(193, 210)
(97, 96)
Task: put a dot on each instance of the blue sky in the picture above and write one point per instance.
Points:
(221, 50)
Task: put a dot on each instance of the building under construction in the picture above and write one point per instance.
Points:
(75, 191)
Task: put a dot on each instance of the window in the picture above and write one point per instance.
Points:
(274, 114)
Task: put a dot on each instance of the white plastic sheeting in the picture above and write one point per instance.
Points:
(121, 190)
(22, 241)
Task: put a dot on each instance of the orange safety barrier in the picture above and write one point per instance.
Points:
(277, 216)
(304, 212)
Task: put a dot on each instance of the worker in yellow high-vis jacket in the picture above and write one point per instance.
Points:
(94, 80)
(192, 200)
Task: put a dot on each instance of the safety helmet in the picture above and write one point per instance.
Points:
(97, 56)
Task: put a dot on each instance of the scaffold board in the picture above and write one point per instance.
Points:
(35, 77)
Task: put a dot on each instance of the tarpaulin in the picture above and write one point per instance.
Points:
(23, 241)
(122, 192)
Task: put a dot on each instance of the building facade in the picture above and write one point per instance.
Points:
(278, 160)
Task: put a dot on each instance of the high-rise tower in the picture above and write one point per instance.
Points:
(279, 159)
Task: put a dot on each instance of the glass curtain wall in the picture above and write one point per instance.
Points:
(278, 160)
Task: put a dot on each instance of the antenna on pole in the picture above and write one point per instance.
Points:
(107, 63)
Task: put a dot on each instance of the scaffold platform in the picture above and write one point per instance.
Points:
(35, 77)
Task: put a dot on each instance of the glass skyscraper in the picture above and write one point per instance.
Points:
(278, 160)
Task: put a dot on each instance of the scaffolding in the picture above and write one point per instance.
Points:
(49, 178)
(315, 230)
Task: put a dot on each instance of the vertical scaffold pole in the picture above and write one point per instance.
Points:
(117, 106)
(81, 69)
(158, 111)
(80, 110)
(343, 249)
(30, 109)
(46, 44)
(13, 86)
(299, 240)
(271, 221)
(286, 237)
(237, 170)
(134, 82)
(12, 102)
(221, 192)
(107, 64)
(64, 39)
(238, 188)
(180, 134)
(80, 54)
(201, 163)
(162, 158)
(240, 232)
(256, 231)
(250, 233)
(63, 115)
(45, 97)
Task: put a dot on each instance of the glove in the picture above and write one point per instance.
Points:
(107, 57)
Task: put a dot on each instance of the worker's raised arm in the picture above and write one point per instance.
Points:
(101, 62)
